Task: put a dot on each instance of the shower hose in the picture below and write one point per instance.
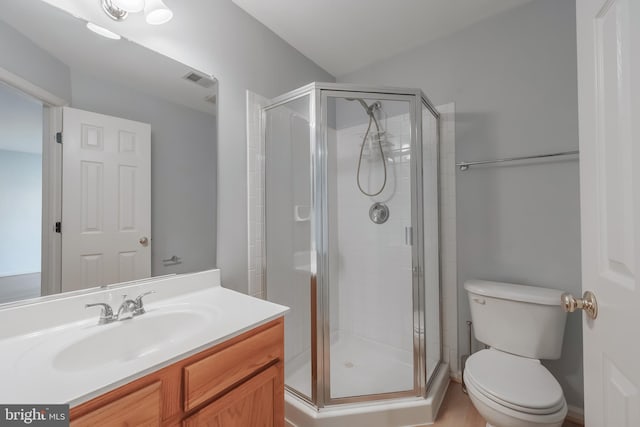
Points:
(372, 119)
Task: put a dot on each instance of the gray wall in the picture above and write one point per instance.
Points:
(20, 183)
(513, 79)
(183, 169)
(21, 212)
(244, 54)
(22, 57)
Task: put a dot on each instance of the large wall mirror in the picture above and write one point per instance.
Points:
(127, 189)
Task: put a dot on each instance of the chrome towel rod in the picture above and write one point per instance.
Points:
(465, 165)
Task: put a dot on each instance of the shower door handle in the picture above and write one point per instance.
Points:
(408, 236)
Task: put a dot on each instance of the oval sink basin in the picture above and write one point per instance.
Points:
(126, 340)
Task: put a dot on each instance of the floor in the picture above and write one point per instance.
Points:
(458, 411)
(15, 288)
(359, 367)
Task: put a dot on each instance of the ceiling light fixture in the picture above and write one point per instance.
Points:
(133, 6)
(113, 12)
(103, 31)
(155, 11)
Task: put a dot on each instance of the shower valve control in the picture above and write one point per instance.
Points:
(379, 213)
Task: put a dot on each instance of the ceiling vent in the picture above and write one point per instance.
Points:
(200, 79)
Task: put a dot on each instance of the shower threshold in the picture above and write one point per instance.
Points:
(384, 413)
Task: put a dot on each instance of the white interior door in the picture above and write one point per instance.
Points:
(609, 101)
(106, 200)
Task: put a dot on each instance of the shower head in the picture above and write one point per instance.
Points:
(368, 108)
(361, 101)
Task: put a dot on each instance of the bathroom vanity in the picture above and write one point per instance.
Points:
(199, 354)
(236, 383)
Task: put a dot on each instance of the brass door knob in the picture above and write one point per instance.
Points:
(588, 303)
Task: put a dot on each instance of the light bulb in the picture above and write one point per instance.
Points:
(132, 6)
(156, 12)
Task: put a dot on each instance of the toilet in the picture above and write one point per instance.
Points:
(522, 325)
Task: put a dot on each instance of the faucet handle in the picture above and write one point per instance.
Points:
(106, 313)
(139, 304)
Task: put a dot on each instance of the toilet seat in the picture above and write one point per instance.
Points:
(518, 383)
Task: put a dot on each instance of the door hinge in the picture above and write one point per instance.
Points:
(59, 137)
(58, 227)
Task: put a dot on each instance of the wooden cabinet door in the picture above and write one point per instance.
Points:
(141, 408)
(212, 375)
(237, 383)
(252, 404)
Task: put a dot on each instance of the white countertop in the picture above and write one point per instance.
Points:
(27, 370)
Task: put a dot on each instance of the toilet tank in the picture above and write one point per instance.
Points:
(518, 319)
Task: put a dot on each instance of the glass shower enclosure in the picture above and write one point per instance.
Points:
(351, 240)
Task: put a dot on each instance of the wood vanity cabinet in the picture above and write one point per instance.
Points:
(238, 383)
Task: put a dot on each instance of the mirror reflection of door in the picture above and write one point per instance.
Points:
(51, 56)
(21, 130)
(106, 200)
(105, 222)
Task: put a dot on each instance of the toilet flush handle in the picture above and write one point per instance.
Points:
(588, 303)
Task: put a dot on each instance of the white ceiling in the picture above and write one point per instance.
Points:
(344, 35)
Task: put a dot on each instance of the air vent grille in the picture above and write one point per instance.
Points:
(199, 79)
(193, 77)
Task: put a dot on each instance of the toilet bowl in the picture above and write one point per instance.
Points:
(507, 383)
(514, 391)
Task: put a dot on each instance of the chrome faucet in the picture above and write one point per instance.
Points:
(106, 314)
(127, 310)
(140, 305)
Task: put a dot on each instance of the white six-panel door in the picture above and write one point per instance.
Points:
(106, 200)
(609, 101)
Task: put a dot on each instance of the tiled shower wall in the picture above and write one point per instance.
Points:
(255, 179)
(373, 261)
(255, 193)
(448, 247)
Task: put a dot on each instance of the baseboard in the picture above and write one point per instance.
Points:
(456, 377)
(575, 415)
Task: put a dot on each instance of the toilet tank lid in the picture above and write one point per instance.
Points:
(514, 292)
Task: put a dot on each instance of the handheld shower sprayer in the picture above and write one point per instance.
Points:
(370, 110)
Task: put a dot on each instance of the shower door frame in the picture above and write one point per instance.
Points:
(324, 326)
(320, 333)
